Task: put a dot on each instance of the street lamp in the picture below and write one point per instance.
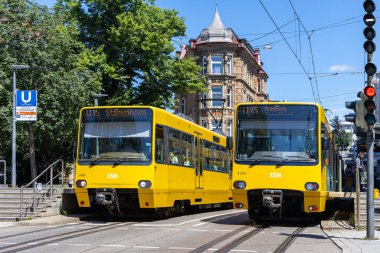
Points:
(96, 96)
(14, 68)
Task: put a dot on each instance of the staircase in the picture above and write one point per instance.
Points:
(363, 212)
(33, 200)
(45, 205)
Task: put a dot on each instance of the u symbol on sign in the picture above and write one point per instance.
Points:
(25, 101)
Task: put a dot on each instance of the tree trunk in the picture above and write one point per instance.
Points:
(32, 153)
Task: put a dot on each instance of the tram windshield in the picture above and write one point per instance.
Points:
(116, 136)
(277, 134)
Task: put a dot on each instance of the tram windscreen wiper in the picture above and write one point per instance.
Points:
(119, 161)
(95, 160)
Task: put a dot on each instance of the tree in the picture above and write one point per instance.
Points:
(342, 138)
(135, 36)
(63, 71)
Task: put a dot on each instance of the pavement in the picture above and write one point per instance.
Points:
(340, 232)
(349, 239)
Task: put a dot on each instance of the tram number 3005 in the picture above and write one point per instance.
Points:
(275, 175)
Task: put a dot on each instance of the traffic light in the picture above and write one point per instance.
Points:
(370, 68)
(370, 105)
(358, 107)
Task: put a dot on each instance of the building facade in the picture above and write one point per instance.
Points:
(233, 72)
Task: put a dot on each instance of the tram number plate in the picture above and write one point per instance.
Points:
(275, 175)
(112, 175)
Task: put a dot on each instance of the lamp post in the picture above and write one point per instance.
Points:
(96, 96)
(14, 68)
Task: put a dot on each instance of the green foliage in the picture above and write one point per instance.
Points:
(62, 70)
(135, 36)
(342, 138)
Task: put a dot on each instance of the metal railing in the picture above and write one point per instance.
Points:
(5, 172)
(34, 182)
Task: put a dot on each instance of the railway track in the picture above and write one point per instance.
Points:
(233, 244)
(16, 247)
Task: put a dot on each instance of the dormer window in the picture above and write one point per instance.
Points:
(216, 64)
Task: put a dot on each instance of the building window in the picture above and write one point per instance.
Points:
(258, 85)
(229, 128)
(214, 125)
(183, 102)
(217, 95)
(204, 65)
(229, 65)
(216, 64)
(204, 101)
(229, 97)
(204, 123)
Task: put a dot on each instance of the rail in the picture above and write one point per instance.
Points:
(5, 172)
(34, 182)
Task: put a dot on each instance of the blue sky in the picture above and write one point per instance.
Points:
(336, 37)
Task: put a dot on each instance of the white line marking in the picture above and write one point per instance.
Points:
(174, 229)
(154, 225)
(146, 247)
(222, 230)
(72, 223)
(199, 230)
(179, 248)
(200, 224)
(113, 245)
(52, 244)
(78, 244)
(8, 243)
(143, 228)
(243, 250)
(208, 217)
(32, 243)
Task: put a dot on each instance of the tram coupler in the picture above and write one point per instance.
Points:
(272, 199)
(105, 197)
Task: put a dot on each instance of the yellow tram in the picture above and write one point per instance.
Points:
(283, 160)
(142, 159)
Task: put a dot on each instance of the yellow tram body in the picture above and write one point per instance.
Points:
(283, 161)
(173, 164)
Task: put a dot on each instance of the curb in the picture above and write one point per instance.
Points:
(51, 220)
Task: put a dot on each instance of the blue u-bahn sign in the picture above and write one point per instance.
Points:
(26, 105)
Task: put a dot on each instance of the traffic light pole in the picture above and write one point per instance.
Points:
(370, 181)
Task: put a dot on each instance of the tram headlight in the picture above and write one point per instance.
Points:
(81, 183)
(239, 185)
(311, 186)
(145, 184)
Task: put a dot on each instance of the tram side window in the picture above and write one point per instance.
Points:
(160, 147)
(216, 157)
(187, 150)
(174, 146)
(207, 155)
(223, 158)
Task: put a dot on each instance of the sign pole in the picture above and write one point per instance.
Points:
(14, 131)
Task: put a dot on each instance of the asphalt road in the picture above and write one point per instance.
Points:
(217, 231)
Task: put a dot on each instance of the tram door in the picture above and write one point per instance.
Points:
(198, 161)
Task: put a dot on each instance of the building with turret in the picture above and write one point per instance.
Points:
(233, 72)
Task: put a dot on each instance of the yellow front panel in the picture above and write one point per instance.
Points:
(106, 176)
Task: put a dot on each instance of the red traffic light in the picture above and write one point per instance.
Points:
(369, 91)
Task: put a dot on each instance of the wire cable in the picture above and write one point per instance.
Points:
(291, 49)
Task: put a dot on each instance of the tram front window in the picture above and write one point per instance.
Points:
(122, 135)
(276, 134)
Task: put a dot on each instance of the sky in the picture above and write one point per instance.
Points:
(321, 58)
